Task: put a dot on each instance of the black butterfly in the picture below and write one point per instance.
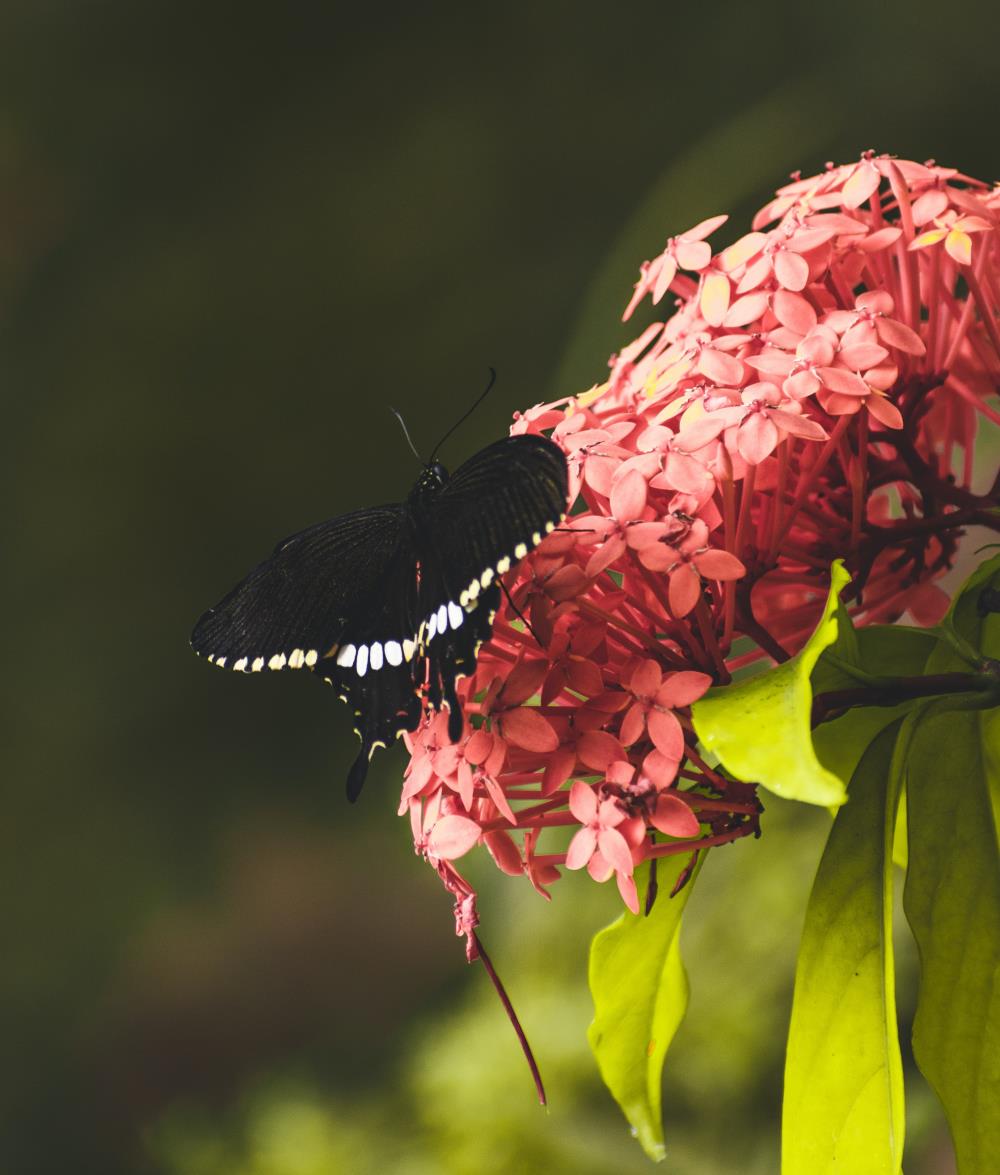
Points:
(392, 604)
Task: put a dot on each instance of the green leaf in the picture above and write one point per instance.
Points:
(843, 1106)
(970, 633)
(760, 728)
(640, 993)
(952, 901)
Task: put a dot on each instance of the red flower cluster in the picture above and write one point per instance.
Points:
(816, 394)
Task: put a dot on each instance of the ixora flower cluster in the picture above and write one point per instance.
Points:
(815, 394)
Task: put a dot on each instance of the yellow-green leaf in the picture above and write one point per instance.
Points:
(952, 901)
(760, 728)
(640, 993)
(843, 1104)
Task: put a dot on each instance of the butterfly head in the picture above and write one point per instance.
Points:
(433, 477)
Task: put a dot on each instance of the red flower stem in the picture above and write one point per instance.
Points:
(707, 630)
(680, 632)
(780, 491)
(703, 804)
(934, 315)
(986, 315)
(746, 507)
(755, 654)
(705, 842)
(646, 641)
(809, 479)
(859, 482)
(907, 260)
(512, 1016)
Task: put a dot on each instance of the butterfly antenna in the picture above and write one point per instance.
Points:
(462, 419)
(520, 615)
(406, 433)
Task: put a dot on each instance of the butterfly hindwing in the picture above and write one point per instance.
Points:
(292, 609)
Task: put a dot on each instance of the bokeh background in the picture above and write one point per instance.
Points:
(230, 236)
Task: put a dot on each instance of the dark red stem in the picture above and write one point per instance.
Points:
(512, 1016)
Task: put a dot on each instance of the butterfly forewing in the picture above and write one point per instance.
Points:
(498, 506)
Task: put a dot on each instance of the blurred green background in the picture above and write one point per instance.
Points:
(231, 235)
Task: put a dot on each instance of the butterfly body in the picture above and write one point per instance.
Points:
(391, 604)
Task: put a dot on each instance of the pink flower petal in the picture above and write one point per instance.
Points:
(629, 894)
(581, 848)
(614, 849)
(715, 290)
(667, 273)
(746, 309)
(756, 438)
(646, 678)
(558, 769)
(673, 817)
(633, 724)
(605, 555)
(525, 681)
(839, 379)
(794, 311)
(791, 270)
(598, 748)
(899, 335)
(704, 228)
(863, 184)
(628, 496)
(505, 852)
(742, 250)
(884, 412)
(666, 733)
(583, 802)
(722, 368)
(683, 688)
(660, 768)
(693, 255)
(528, 729)
(722, 565)
(684, 590)
(452, 836)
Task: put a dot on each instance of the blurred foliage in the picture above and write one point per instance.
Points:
(230, 236)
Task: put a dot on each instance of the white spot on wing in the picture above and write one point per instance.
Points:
(241, 665)
(549, 527)
(409, 648)
(393, 652)
(295, 659)
(455, 615)
(376, 656)
(311, 658)
(432, 627)
(487, 577)
(442, 618)
(258, 664)
(221, 662)
(362, 665)
(520, 550)
(277, 661)
(504, 565)
(345, 658)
